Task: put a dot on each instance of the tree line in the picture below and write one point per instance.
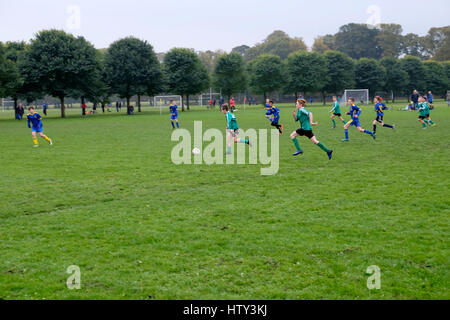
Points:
(61, 65)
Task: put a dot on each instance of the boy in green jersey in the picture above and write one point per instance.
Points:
(424, 113)
(232, 129)
(336, 112)
(307, 121)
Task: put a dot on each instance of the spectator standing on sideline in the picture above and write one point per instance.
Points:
(83, 109)
(430, 100)
(103, 107)
(44, 107)
(94, 108)
(21, 111)
(117, 106)
(221, 101)
(415, 99)
(211, 103)
(214, 103)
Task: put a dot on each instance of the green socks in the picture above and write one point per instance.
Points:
(431, 121)
(424, 124)
(244, 141)
(297, 145)
(321, 146)
(334, 123)
(343, 121)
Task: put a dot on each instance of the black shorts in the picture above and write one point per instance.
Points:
(379, 119)
(305, 133)
(338, 114)
(423, 117)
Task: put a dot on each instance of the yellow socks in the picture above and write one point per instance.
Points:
(46, 138)
(35, 141)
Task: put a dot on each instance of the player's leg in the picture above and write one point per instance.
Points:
(346, 126)
(35, 140)
(43, 136)
(334, 122)
(178, 124)
(294, 136)
(431, 121)
(375, 122)
(421, 120)
(278, 126)
(237, 140)
(229, 139)
(370, 133)
(173, 124)
(343, 121)
(322, 146)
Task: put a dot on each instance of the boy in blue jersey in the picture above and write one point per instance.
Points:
(35, 124)
(306, 122)
(379, 107)
(174, 114)
(273, 114)
(232, 129)
(355, 112)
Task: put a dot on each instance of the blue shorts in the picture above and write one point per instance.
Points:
(174, 117)
(356, 123)
(38, 130)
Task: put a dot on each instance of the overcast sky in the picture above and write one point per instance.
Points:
(210, 24)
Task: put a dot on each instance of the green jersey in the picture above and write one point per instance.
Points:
(424, 109)
(303, 116)
(337, 108)
(232, 122)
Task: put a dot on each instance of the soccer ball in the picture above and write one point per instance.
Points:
(196, 152)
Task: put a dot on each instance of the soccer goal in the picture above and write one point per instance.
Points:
(164, 101)
(361, 96)
(7, 104)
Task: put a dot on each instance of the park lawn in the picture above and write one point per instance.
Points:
(107, 198)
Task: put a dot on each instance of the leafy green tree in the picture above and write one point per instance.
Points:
(358, 41)
(369, 74)
(266, 74)
(306, 72)
(58, 63)
(416, 74)
(389, 39)
(241, 49)
(414, 45)
(435, 77)
(229, 74)
(341, 72)
(319, 46)
(396, 78)
(185, 73)
(278, 43)
(446, 65)
(437, 43)
(132, 68)
(11, 81)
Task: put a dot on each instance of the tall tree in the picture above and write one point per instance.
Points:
(132, 68)
(229, 74)
(414, 45)
(416, 74)
(396, 78)
(437, 43)
(435, 77)
(278, 43)
(11, 81)
(341, 72)
(58, 63)
(358, 41)
(389, 40)
(306, 72)
(266, 74)
(369, 74)
(185, 73)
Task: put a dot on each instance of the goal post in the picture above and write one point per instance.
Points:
(448, 98)
(361, 96)
(164, 101)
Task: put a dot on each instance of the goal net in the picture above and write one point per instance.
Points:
(162, 102)
(7, 104)
(361, 96)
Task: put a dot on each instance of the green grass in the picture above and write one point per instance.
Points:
(107, 198)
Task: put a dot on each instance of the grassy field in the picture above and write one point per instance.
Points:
(107, 198)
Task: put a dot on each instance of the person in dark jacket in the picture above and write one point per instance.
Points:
(415, 99)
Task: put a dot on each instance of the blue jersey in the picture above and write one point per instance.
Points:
(275, 113)
(35, 122)
(379, 109)
(174, 111)
(354, 112)
(430, 98)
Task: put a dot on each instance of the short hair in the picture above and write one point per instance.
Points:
(172, 101)
(378, 98)
(351, 99)
(301, 101)
(29, 108)
(271, 102)
(225, 107)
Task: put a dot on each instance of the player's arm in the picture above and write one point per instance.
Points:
(311, 120)
(29, 122)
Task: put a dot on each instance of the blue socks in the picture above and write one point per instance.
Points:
(346, 134)
(173, 126)
(368, 132)
(178, 125)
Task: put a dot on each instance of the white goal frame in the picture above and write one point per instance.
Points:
(164, 101)
(357, 94)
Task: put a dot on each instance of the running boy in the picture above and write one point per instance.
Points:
(174, 114)
(35, 124)
(232, 129)
(379, 107)
(336, 112)
(424, 113)
(355, 112)
(273, 114)
(306, 121)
